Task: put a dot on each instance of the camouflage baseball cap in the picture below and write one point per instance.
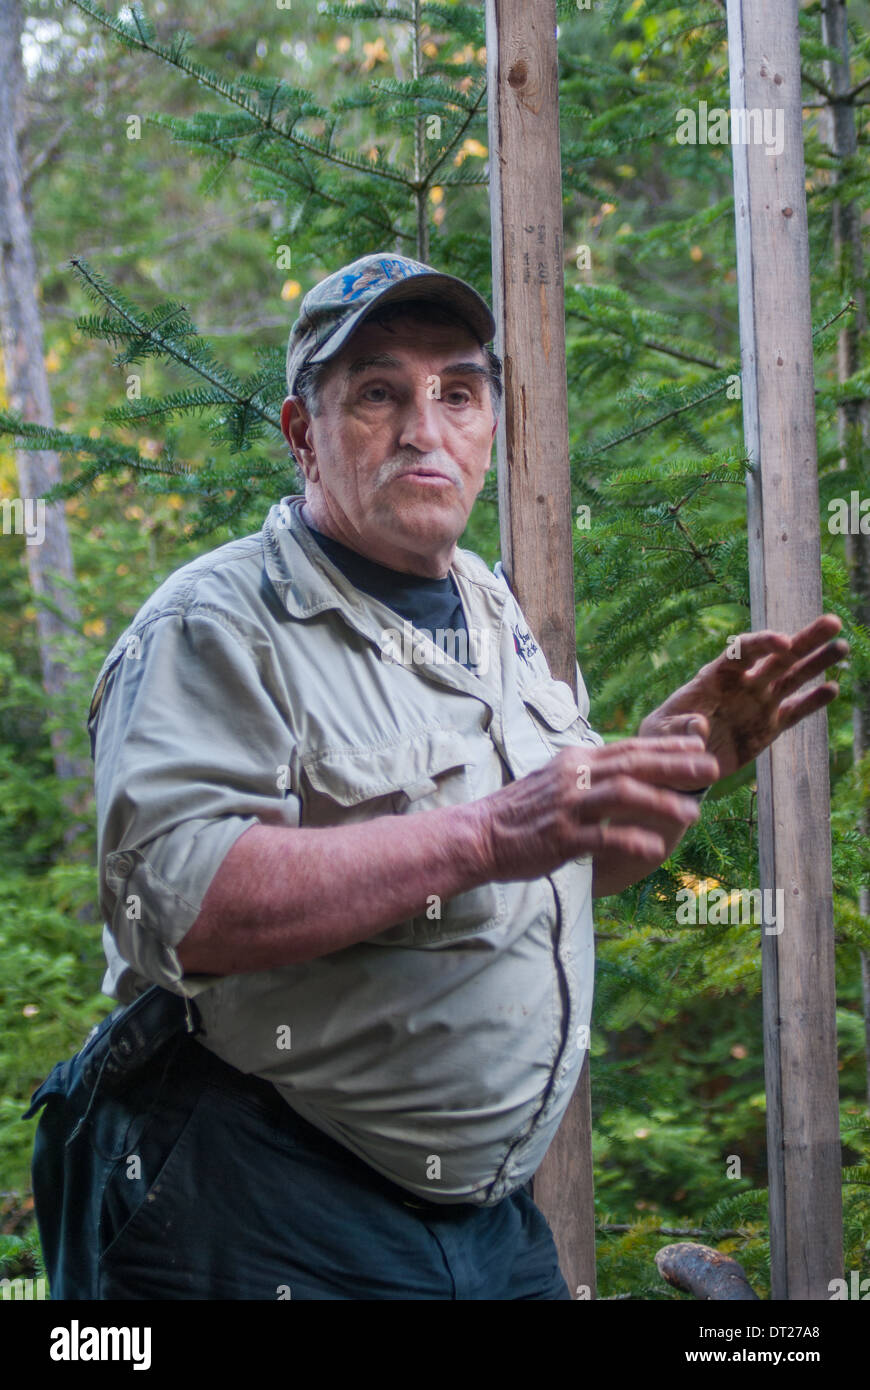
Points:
(331, 311)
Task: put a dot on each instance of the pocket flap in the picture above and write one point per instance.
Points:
(554, 703)
(411, 765)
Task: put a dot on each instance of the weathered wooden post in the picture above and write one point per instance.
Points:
(800, 1040)
(533, 462)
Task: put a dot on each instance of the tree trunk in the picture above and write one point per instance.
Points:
(853, 417)
(800, 1033)
(420, 194)
(534, 468)
(49, 560)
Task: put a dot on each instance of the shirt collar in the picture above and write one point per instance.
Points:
(305, 578)
(307, 583)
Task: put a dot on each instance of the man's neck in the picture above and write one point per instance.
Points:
(403, 562)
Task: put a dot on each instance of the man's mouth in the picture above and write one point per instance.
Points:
(425, 475)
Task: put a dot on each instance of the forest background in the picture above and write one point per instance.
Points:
(204, 170)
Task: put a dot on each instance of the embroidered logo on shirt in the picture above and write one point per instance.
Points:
(525, 644)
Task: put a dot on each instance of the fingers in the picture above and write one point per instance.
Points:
(621, 800)
(624, 797)
(667, 743)
(754, 645)
(811, 666)
(781, 651)
(629, 820)
(631, 841)
(820, 630)
(655, 761)
(792, 711)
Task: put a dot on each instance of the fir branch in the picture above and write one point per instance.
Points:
(386, 229)
(466, 20)
(153, 407)
(429, 176)
(697, 554)
(704, 395)
(107, 456)
(198, 360)
(416, 89)
(139, 35)
(854, 91)
(655, 345)
(821, 87)
(673, 35)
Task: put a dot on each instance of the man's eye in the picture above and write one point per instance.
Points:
(376, 395)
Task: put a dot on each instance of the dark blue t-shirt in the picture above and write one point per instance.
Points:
(431, 605)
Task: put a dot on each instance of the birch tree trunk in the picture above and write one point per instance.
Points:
(49, 561)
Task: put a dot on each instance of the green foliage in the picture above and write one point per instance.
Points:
(338, 162)
(49, 994)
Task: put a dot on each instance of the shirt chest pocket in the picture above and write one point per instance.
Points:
(436, 769)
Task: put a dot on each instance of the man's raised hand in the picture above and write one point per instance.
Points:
(586, 801)
(749, 695)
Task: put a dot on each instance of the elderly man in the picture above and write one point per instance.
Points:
(350, 830)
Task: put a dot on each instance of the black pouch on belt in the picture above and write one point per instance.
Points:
(128, 1039)
(116, 1050)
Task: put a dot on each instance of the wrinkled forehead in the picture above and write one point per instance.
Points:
(407, 342)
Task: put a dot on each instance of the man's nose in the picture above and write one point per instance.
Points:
(421, 422)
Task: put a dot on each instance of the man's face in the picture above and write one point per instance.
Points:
(402, 445)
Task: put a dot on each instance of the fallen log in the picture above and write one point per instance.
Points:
(704, 1272)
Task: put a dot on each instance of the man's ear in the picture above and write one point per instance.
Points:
(288, 410)
(295, 422)
(294, 425)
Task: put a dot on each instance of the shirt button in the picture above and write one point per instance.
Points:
(123, 865)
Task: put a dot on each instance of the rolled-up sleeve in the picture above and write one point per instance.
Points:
(191, 748)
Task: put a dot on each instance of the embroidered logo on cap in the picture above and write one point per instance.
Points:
(353, 286)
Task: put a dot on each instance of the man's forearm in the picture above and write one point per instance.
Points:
(284, 895)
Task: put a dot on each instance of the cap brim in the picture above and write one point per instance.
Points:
(440, 289)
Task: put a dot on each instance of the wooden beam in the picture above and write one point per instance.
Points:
(800, 1039)
(533, 462)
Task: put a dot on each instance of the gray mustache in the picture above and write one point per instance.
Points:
(392, 467)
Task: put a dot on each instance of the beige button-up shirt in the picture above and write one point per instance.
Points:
(257, 684)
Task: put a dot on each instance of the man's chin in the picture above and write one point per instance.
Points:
(427, 527)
